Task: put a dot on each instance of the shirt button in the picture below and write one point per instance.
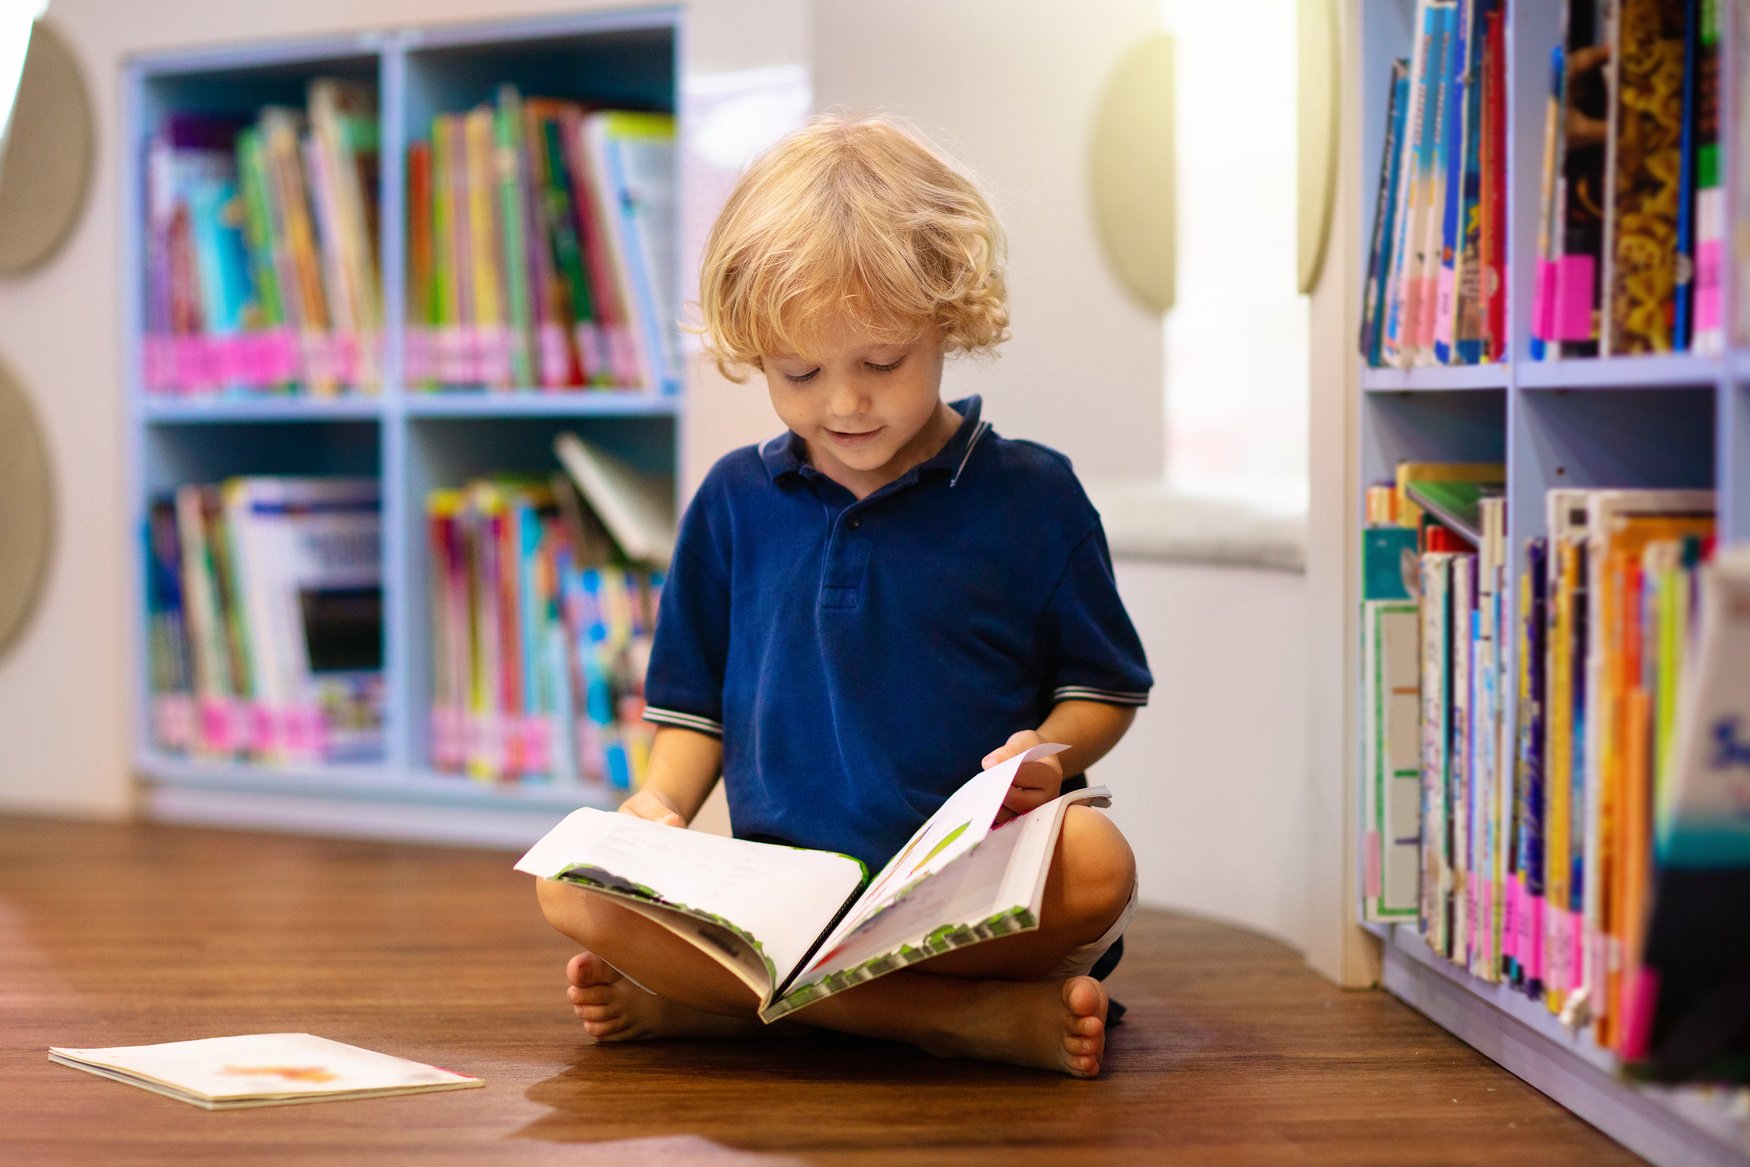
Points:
(854, 522)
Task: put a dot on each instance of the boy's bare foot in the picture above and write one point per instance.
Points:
(612, 1008)
(1052, 1025)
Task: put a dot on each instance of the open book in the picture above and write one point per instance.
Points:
(797, 926)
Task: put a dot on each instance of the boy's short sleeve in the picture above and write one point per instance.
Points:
(684, 683)
(1095, 652)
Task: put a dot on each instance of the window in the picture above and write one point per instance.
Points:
(1236, 339)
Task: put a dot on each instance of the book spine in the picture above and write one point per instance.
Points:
(1707, 319)
(1394, 341)
(1456, 100)
(1647, 160)
(513, 252)
(1379, 256)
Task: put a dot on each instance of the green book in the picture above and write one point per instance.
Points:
(507, 137)
(1459, 505)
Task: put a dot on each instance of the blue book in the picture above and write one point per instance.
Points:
(1454, 98)
(1682, 324)
(1380, 255)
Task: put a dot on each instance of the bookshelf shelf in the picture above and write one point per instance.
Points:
(171, 411)
(1670, 370)
(410, 439)
(1665, 420)
(367, 783)
(1437, 378)
(605, 403)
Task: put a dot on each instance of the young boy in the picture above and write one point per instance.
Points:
(862, 607)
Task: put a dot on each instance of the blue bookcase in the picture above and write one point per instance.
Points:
(412, 440)
(1648, 421)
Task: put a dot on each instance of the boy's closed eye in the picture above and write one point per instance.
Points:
(803, 378)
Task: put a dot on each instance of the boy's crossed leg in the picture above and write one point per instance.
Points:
(1003, 1000)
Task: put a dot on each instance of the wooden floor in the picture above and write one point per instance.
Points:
(1233, 1053)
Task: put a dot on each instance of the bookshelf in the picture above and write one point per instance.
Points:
(412, 439)
(1677, 420)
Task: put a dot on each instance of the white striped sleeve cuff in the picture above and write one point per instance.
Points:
(681, 720)
(1105, 696)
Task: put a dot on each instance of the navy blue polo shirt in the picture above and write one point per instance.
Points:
(859, 658)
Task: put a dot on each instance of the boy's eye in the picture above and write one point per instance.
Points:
(803, 378)
(875, 368)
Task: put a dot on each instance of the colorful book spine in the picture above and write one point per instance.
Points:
(1379, 256)
(1708, 213)
(1646, 168)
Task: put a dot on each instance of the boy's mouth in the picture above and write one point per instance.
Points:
(859, 438)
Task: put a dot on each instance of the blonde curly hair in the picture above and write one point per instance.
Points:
(860, 217)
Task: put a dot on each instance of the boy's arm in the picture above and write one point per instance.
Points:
(1088, 728)
(684, 766)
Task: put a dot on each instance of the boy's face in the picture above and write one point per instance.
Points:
(867, 410)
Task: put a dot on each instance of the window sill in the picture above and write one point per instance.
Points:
(1153, 522)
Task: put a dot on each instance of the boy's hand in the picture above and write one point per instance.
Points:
(1036, 782)
(654, 806)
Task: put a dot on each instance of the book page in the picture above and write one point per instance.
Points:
(993, 890)
(961, 824)
(777, 898)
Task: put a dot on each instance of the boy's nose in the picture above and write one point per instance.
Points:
(848, 399)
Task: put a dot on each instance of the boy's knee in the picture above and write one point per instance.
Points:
(567, 908)
(1099, 866)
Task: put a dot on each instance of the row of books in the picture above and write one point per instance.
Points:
(1631, 227)
(539, 641)
(264, 611)
(1525, 772)
(261, 249)
(542, 248)
(1435, 286)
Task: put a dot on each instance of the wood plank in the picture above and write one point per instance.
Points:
(1232, 1053)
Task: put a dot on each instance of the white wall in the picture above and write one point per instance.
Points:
(1009, 88)
(1207, 785)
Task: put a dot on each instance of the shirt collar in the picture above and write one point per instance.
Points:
(787, 453)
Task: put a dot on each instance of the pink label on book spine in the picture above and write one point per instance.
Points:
(555, 362)
(319, 358)
(446, 739)
(537, 747)
(1641, 998)
(173, 721)
(157, 353)
(1531, 937)
(346, 357)
(1371, 873)
(493, 350)
(415, 354)
(1573, 298)
(592, 353)
(259, 726)
(1543, 302)
(1555, 948)
(1708, 259)
(1486, 927)
(1443, 315)
(1511, 897)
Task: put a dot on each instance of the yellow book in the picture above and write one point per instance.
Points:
(1614, 671)
(1566, 522)
(486, 270)
(1558, 771)
(280, 130)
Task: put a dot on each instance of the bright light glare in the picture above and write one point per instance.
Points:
(16, 18)
(1236, 339)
